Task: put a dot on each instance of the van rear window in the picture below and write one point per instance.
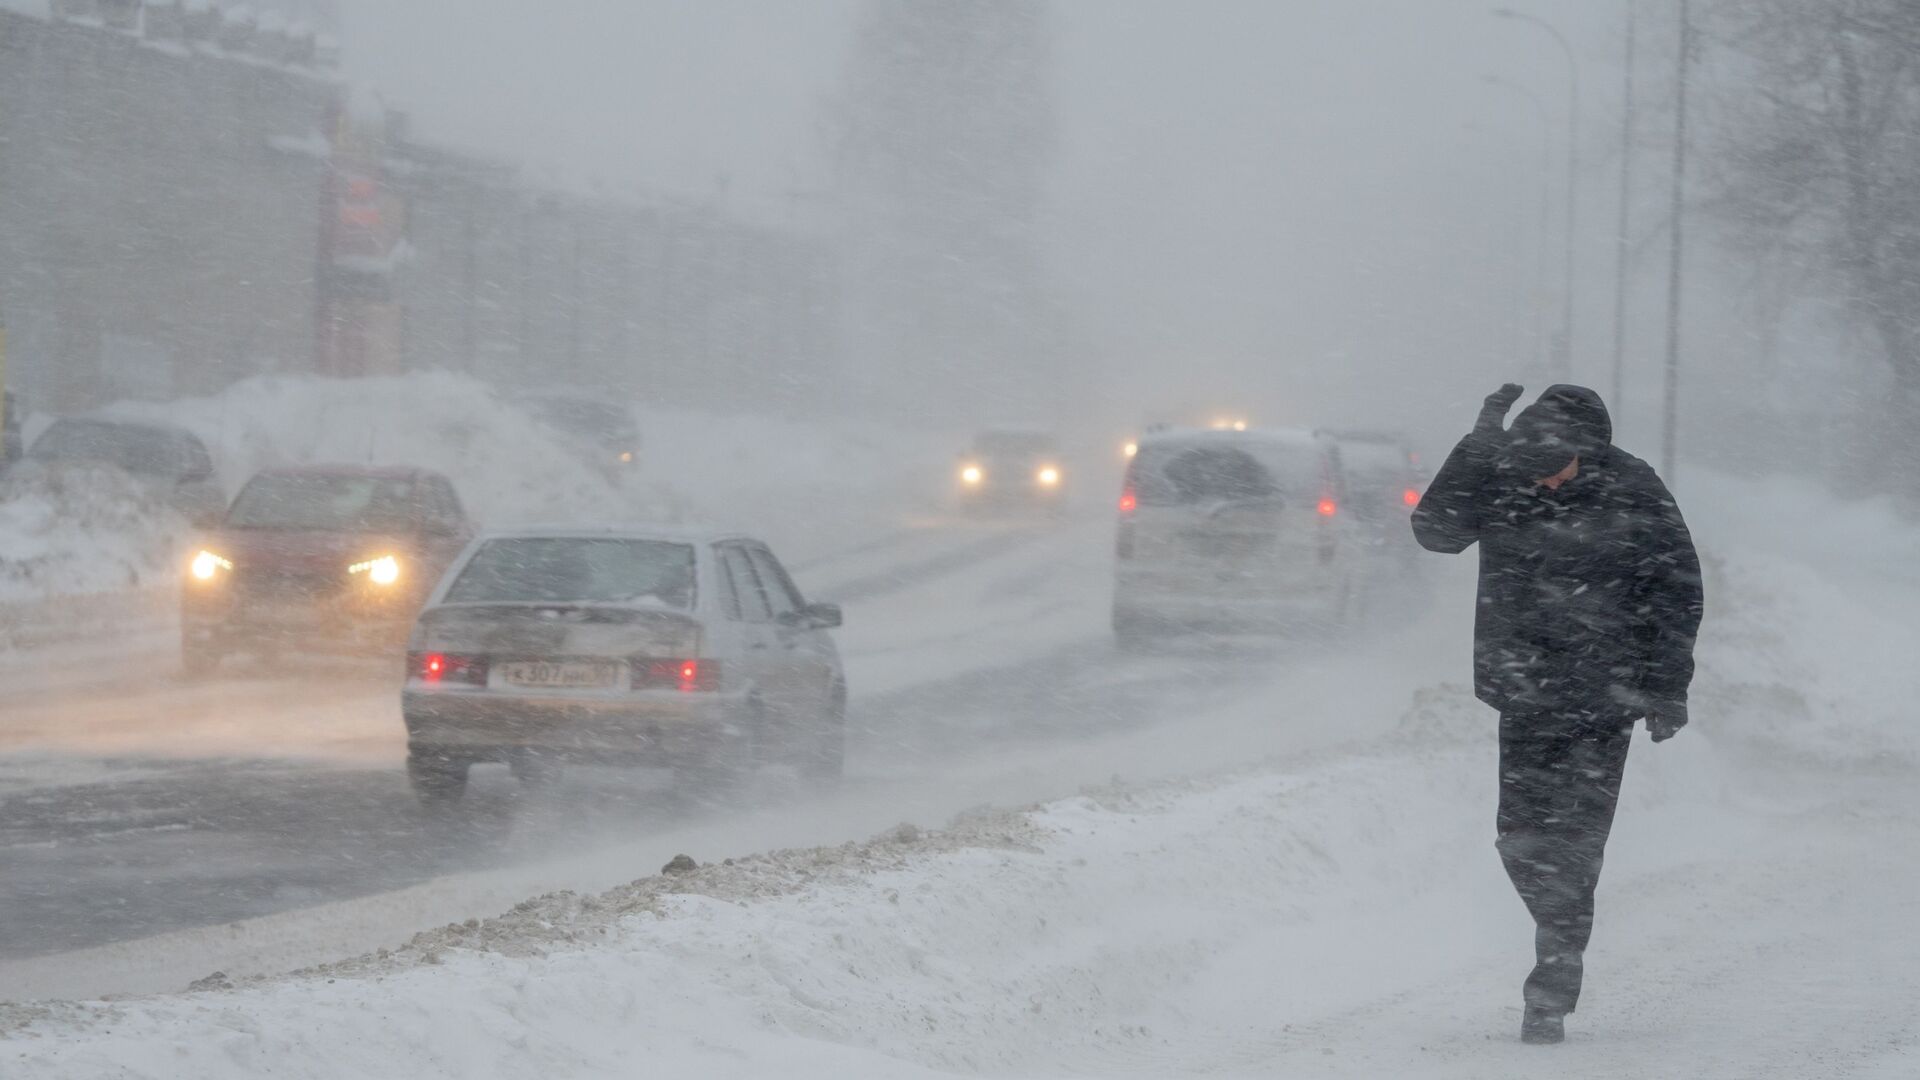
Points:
(1192, 475)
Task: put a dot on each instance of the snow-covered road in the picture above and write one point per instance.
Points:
(1291, 875)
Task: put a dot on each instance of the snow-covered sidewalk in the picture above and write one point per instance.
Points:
(1345, 919)
(1336, 911)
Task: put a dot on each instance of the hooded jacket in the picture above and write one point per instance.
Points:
(1590, 596)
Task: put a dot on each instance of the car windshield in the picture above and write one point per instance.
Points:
(1187, 474)
(1013, 444)
(324, 502)
(576, 570)
(129, 447)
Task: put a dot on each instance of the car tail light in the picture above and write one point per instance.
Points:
(1411, 497)
(687, 676)
(438, 668)
(1327, 507)
(1128, 501)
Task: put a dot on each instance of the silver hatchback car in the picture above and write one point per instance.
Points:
(692, 651)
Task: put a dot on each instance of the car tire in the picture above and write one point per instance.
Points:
(438, 780)
(823, 758)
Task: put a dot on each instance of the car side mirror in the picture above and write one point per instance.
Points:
(823, 616)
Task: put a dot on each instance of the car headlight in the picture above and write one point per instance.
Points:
(626, 457)
(1130, 449)
(206, 564)
(972, 475)
(1048, 476)
(384, 570)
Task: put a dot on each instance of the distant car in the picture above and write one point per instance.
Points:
(170, 463)
(639, 647)
(325, 558)
(1006, 469)
(1384, 484)
(602, 433)
(1236, 531)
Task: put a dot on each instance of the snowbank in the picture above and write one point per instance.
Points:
(1009, 941)
(811, 485)
(82, 531)
(1344, 916)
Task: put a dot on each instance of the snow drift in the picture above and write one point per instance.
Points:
(736, 471)
(1341, 916)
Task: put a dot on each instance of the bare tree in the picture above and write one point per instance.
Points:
(1820, 168)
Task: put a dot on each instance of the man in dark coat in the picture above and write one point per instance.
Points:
(1589, 601)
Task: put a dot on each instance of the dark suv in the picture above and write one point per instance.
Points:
(170, 463)
(324, 558)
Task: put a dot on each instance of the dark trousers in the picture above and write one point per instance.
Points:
(1559, 785)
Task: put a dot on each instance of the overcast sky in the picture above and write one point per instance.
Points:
(1294, 199)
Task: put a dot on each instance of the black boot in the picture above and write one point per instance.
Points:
(1543, 1026)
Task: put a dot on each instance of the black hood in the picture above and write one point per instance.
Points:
(1565, 422)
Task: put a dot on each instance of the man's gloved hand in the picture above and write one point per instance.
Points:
(1494, 413)
(1665, 719)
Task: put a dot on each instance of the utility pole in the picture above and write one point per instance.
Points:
(1622, 244)
(1669, 451)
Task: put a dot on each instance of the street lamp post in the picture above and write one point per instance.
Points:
(1622, 244)
(1670, 418)
(1546, 184)
(1573, 164)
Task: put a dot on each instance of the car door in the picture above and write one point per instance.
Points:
(812, 662)
(746, 604)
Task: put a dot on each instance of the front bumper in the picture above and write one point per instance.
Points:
(647, 727)
(348, 621)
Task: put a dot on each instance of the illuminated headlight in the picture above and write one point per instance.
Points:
(972, 475)
(1048, 476)
(384, 570)
(626, 457)
(1130, 449)
(206, 564)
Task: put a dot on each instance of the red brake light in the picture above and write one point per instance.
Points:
(687, 676)
(434, 668)
(1327, 506)
(1411, 497)
(1128, 501)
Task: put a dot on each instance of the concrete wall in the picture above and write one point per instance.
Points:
(152, 238)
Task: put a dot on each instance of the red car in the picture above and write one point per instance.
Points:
(320, 558)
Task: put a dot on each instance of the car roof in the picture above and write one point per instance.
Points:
(684, 534)
(379, 472)
(1288, 437)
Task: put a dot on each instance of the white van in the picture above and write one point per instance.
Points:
(1235, 531)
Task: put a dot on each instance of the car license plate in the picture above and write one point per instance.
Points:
(560, 674)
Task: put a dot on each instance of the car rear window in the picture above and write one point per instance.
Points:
(129, 447)
(578, 570)
(1200, 474)
(324, 503)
